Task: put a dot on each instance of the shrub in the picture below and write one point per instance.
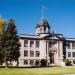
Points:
(67, 62)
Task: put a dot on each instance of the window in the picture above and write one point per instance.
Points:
(40, 29)
(68, 45)
(31, 62)
(73, 45)
(31, 53)
(31, 43)
(25, 43)
(25, 62)
(37, 53)
(25, 53)
(69, 54)
(73, 54)
(37, 43)
(44, 28)
(37, 62)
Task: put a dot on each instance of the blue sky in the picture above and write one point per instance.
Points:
(27, 13)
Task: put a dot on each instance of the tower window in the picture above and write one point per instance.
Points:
(40, 29)
(44, 28)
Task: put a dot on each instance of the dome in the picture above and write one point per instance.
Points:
(43, 22)
(2, 22)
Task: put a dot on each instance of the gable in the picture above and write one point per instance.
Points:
(56, 37)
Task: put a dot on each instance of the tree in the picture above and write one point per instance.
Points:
(1, 49)
(2, 42)
(12, 43)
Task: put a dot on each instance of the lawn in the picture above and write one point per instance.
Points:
(38, 71)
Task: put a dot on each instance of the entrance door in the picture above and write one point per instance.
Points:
(51, 58)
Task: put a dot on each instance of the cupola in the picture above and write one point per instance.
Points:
(42, 27)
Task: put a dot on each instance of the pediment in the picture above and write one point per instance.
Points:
(57, 37)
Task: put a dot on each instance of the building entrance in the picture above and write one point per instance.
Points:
(51, 58)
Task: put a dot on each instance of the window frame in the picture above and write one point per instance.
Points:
(68, 46)
(31, 62)
(69, 54)
(26, 54)
(25, 43)
(25, 62)
(73, 54)
(73, 45)
(31, 44)
(37, 53)
(37, 44)
(31, 53)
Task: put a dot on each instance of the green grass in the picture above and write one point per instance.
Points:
(38, 71)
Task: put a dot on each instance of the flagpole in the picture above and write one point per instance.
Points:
(42, 12)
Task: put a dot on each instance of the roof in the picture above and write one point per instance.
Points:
(43, 22)
(69, 39)
(40, 37)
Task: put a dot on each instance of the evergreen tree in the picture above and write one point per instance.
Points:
(12, 43)
(1, 49)
(2, 41)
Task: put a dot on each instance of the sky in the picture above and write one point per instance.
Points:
(60, 15)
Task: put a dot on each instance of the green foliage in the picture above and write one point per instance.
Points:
(2, 42)
(9, 44)
(12, 43)
(38, 71)
(67, 62)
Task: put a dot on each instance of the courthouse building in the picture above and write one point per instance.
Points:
(45, 44)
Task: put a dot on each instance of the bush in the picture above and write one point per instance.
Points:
(67, 62)
(43, 62)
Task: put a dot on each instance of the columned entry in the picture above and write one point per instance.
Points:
(51, 58)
